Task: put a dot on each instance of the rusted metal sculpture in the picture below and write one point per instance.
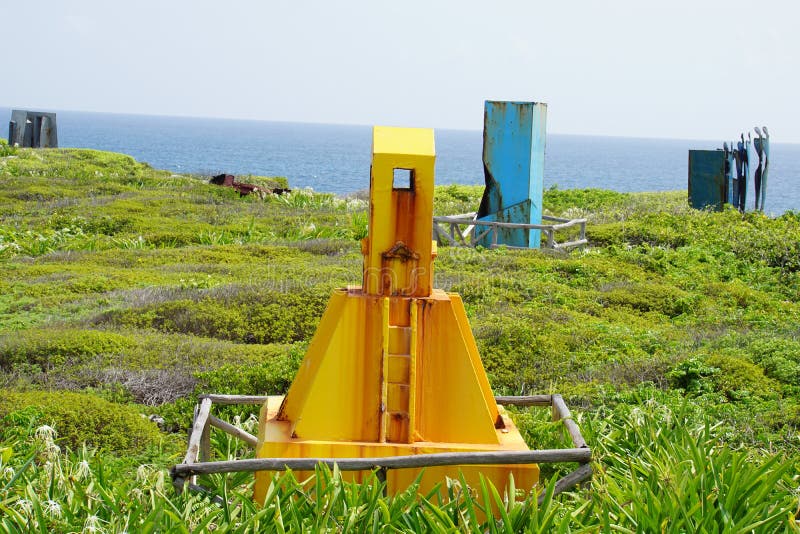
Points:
(393, 369)
(392, 382)
(229, 180)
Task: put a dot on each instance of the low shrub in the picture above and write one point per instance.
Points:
(654, 232)
(249, 317)
(780, 359)
(653, 297)
(738, 378)
(6, 149)
(558, 200)
(693, 376)
(85, 419)
(52, 347)
(268, 182)
(271, 376)
(456, 199)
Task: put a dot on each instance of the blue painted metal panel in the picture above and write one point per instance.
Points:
(513, 163)
(707, 179)
(509, 236)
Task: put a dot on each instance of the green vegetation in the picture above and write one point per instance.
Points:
(83, 420)
(128, 291)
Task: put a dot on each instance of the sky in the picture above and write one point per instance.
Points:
(701, 69)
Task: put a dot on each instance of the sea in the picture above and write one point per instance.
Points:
(336, 158)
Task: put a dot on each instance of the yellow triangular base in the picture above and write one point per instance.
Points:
(389, 376)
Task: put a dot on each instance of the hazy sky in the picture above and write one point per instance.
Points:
(684, 69)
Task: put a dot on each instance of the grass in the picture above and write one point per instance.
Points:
(658, 470)
(674, 335)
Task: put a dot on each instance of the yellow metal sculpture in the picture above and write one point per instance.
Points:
(393, 368)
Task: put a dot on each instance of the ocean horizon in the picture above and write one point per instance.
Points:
(335, 158)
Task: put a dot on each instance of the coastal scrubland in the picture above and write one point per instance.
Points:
(127, 291)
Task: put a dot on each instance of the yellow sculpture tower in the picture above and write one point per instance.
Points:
(393, 368)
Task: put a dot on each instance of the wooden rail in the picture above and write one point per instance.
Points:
(199, 448)
(467, 231)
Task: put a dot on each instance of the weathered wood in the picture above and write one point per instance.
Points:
(235, 399)
(568, 244)
(550, 238)
(569, 481)
(557, 219)
(205, 443)
(477, 238)
(233, 430)
(440, 234)
(527, 400)
(474, 231)
(197, 431)
(575, 434)
(561, 412)
(198, 442)
(496, 224)
(389, 462)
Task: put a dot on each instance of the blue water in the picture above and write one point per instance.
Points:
(336, 158)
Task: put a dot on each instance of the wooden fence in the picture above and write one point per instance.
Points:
(467, 231)
(198, 454)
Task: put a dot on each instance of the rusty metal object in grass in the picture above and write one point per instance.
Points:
(229, 180)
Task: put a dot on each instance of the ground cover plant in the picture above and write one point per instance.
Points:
(127, 291)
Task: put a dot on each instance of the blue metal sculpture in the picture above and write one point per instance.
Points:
(513, 165)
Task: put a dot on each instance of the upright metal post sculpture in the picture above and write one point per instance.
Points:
(33, 129)
(762, 149)
(741, 157)
(393, 368)
(513, 165)
(707, 179)
(731, 182)
(766, 167)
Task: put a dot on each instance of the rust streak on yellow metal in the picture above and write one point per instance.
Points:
(412, 375)
(393, 368)
(384, 367)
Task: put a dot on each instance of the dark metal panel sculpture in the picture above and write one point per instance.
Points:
(761, 144)
(707, 180)
(33, 129)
